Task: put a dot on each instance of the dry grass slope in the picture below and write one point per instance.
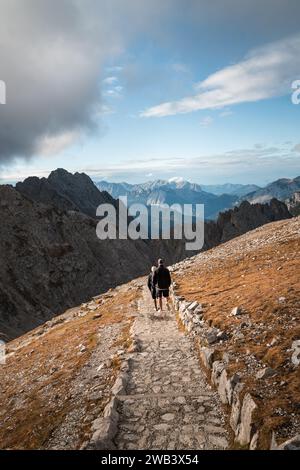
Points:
(259, 272)
(51, 388)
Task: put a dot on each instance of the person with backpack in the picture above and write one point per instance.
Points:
(162, 281)
(151, 287)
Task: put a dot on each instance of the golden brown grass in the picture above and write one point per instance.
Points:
(255, 280)
(42, 370)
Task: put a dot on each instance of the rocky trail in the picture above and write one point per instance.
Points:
(168, 403)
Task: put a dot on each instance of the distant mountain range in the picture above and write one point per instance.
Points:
(170, 192)
(216, 198)
(229, 188)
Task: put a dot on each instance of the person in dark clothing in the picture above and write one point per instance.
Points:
(162, 281)
(151, 287)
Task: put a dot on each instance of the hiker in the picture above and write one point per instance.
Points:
(152, 287)
(162, 281)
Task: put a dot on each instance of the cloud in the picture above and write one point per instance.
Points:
(115, 92)
(206, 121)
(53, 58)
(180, 68)
(296, 148)
(52, 145)
(110, 80)
(241, 159)
(264, 73)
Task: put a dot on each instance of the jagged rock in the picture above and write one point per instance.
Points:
(207, 357)
(193, 306)
(199, 310)
(254, 441)
(265, 373)
(227, 386)
(246, 426)
(296, 352)
(211, 336)
(236, 311)
(97, 315)
(217, 369)
(222, 336)
(226, 357)
(102, 439)
(236, 407)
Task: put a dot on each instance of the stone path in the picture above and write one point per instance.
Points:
(169, 404)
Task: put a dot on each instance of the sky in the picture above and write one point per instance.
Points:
(131, 90)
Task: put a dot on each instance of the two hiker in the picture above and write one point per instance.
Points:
(159, 281)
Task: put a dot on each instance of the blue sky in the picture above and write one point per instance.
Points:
(136, 90)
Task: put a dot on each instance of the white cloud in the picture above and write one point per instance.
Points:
(264, 73)
(206, 121)
(115, 92)
(110, 80)
(53, 145)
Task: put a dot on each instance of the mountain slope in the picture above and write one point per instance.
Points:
(66, 191)
(51, 260)
(280, 189)
(293, 203)
(58, 378)
(258, 273)
(229, 188)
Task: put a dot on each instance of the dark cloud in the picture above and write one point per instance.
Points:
(51, 56)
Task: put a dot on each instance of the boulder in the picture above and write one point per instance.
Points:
(296, 352)
(246, 428)
(222, 336)
(211, 336)
(265, 373)
(227, 386)
(236, 311)
(236, 407)
(254, 441)
(217, 369)
(207, 357)
(193, 306)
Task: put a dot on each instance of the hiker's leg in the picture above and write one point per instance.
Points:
(155, 303)
(160, 303)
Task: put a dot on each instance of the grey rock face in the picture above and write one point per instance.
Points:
(207, 355)
(246, 426)
(51, 260)
(265, 373)
(66, 192)
(280, 189)
(296, 352)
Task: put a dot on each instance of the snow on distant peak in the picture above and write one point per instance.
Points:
(176, 179)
